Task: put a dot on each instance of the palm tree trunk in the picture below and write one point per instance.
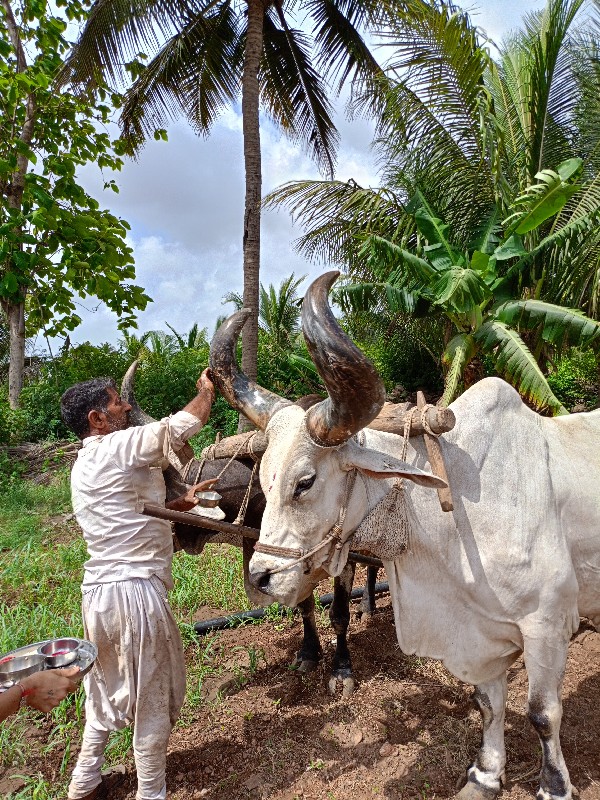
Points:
(252, 164)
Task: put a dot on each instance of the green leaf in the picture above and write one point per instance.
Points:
(9, 285)
(558, 324)
(570, 168)
(511, 248)
(396, 265)
(439, 252)
(461, 289)
(480, 262)
(515, 362)
(540, 201)
(459, 352)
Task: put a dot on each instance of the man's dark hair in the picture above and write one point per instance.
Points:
(77, 402)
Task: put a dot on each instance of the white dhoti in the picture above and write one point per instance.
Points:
(138, 677)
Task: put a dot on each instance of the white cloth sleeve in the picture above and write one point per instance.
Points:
(144, 445)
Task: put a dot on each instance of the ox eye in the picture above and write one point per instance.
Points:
(304, 485)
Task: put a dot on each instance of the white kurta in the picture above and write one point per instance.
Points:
(113, 477)
(139, 675)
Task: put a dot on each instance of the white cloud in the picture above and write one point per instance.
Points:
(184, 201)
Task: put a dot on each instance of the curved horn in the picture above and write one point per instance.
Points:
(356, 392)
(241, 393)
(136, 415)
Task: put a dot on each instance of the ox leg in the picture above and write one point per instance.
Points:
(310, 652)
(486, 775)
(545, 663)
(367, 604)
(339, 616)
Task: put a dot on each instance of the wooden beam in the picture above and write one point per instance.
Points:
(436, 460)
(391, 419)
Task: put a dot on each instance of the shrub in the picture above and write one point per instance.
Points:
(13, 423)
(575, 380)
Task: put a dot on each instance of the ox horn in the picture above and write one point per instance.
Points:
(136, 415)
(356, 392)
(241, 393)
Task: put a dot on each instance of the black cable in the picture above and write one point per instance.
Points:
(230, 621)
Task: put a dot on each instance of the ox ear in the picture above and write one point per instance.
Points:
(381, 465)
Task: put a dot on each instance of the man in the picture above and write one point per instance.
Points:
(42, 690)
(139, 674)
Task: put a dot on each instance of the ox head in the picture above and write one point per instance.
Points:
(310, 454)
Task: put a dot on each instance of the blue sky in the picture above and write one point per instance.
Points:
(184, 202)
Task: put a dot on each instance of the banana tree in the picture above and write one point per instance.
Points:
(489, 292)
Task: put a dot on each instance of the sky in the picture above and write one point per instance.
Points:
(184, 202)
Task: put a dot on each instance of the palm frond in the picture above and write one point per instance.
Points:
(378, 297)
(342, 52)
(336, 216)
(279, 313)
(117, 30)
(396, 265)
(415, 150)
(549, 88)
(294, 93)
(197, 73)
(484, 236)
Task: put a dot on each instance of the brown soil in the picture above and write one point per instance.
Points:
(409, 730)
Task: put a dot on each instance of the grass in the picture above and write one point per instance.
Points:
(41, 566)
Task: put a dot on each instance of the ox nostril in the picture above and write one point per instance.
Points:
(260, 579)
(263, 581)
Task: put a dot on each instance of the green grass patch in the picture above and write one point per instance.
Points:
(213, 579)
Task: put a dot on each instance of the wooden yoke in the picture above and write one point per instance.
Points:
(391, 419)
(436, 460)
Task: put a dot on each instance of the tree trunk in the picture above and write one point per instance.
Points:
(252, 164)
(15, 312)
(16, 326)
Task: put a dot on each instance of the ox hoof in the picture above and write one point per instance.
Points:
(302, 666)
(475, 791)
(346, 682)
(572, 794)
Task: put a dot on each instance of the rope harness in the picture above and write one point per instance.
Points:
(246, 445)
(334, 535)
(333, 538)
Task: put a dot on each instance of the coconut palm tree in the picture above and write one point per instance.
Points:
(479, 183)
(205, 53)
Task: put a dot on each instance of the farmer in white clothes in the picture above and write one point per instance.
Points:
(139, 674)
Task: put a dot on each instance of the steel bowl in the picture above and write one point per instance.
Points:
(12, 669)
(208, 499)
(60, 652)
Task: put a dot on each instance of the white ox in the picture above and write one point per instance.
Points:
(509, 571)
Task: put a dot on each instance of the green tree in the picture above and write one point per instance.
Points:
(206, 53)
(195, 338)
(472, 214)
(55, 240)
